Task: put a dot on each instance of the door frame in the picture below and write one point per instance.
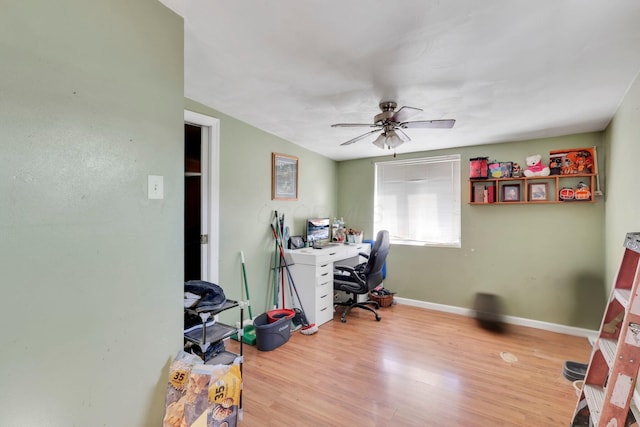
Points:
(211, 213)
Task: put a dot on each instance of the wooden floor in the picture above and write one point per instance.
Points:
(416, 367)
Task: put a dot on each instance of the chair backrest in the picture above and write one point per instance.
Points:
(377, 257)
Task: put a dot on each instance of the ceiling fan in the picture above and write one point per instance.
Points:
(391, 123)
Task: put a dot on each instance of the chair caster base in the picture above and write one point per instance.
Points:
(352, 303)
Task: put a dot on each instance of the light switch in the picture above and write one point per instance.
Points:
(156, 187)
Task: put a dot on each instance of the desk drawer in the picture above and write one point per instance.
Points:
(324, 314)
(360, 247)
(324, 271)
(309, 256)
(324, 288)
(312, 274)
(329, 255)
(324, 302)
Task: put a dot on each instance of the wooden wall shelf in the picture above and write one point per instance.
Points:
(535, 190)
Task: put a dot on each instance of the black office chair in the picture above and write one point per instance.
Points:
(362, 278)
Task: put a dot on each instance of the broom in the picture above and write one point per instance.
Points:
(248, 335)
(307, 329)
(249, 331)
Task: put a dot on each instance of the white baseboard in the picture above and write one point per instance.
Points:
(521, 321)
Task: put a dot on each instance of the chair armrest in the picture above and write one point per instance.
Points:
(349, 274)
(364, 255)
(344, 269)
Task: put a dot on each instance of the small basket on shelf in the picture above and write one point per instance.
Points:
(383, 297)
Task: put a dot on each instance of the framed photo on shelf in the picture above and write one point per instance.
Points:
(284, 177)
(538, 192)
(511, 193)
(506, 168)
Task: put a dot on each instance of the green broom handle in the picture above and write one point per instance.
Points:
(246, 285)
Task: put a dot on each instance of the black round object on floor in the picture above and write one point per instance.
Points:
(574, 371)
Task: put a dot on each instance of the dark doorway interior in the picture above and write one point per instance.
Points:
(192, 201)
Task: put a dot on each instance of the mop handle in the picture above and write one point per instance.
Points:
(286, 267)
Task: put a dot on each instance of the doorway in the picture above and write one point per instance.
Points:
(194, 236)
(201, 197)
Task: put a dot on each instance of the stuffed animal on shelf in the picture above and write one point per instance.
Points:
(535, 167)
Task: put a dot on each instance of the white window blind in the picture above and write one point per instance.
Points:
(418, 200)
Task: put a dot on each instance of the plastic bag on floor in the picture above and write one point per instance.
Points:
(179, 374)
(211, 398)
(224, 396)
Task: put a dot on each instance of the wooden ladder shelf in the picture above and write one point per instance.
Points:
(607, 394)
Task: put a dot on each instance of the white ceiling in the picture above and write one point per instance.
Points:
(506, 70)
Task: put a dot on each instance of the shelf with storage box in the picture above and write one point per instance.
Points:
(211, 332)
(575, 188)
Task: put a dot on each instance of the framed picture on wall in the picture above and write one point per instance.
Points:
(284, 177)
(510, 193)
(538, 191)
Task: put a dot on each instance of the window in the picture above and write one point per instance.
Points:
(418, 200)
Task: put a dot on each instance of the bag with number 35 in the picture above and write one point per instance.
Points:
(202, 395)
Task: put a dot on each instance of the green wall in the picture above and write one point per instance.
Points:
(545, 261)
(620, 189)
(91, 102)
(246, 208)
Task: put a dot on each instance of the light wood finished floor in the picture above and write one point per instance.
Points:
(416, 367)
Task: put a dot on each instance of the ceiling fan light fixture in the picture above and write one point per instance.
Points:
(393, 140)
(379, 141)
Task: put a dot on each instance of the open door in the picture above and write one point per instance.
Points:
(201, 197)
(196, 237)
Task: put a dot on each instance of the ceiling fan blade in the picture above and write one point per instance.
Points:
(355, 125)
(442, 124)
(358, 138)
(404, 113)
(403, 136)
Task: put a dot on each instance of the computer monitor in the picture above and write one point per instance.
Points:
(318, 229)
